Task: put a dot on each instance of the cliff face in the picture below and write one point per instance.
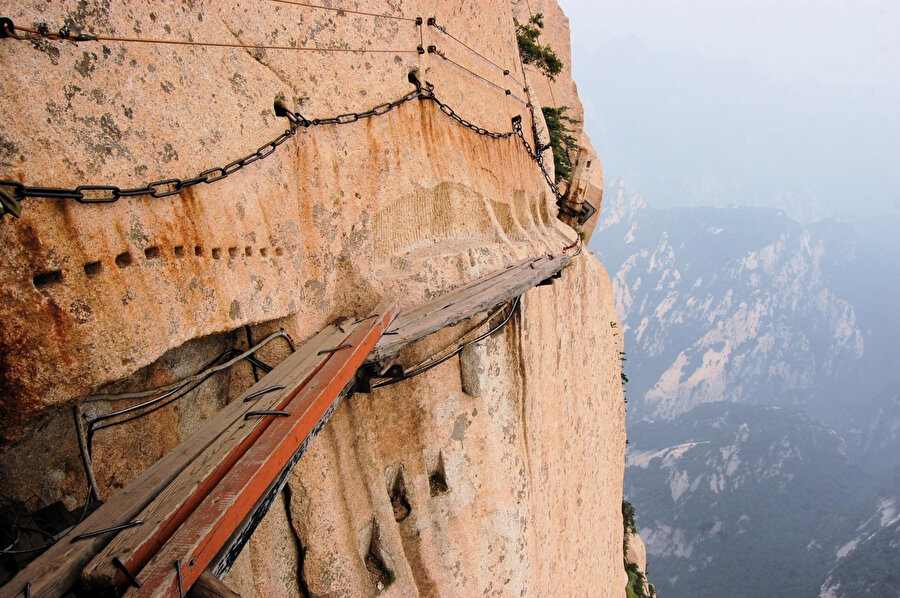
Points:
(528, 440)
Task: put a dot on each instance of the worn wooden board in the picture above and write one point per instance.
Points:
(239, 538)
(135, 546)
(200, 538)
(464, 302)
(210, 586)
(444, 300)
(57, 569)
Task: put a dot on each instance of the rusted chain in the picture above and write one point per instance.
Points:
(536, 156)
(12, 192)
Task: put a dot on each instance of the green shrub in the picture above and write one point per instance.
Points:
(636, 583)
(628, 517)
(532, 52)
(561, 139)
(629, 590)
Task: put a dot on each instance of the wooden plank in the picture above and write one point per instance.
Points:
(226, 557)
(450, 297)
(239, 538)
(454, 296)
(202, 536)
(57, 569)
(210, 586)
(510, 283)
(135, 546)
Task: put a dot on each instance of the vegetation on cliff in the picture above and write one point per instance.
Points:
(561, 139)
(637, 582)
(531, 50)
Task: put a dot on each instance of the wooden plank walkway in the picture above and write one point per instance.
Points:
(200, 503)
(56, 570)
(199, 539)
(170, 508)
(464, 302)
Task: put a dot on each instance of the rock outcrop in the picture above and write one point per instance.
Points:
(505, 479)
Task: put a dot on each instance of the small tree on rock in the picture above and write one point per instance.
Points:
(532, 52)
(561, 139)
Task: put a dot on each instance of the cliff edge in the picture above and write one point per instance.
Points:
(498, 472)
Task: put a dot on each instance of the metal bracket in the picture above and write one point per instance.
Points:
(334, 349)
(587, 210)
(9, 205)
(261, 412)
(262, 392)
(128, 574)
(100, 532)
(549, 280)
(363, 382)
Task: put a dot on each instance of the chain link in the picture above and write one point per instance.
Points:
(538, 156)
(12, 192)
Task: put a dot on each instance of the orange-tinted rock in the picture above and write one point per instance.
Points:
(515, 490)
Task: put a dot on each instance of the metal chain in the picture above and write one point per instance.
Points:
(426, 92)
(538, 157)
(12, 192)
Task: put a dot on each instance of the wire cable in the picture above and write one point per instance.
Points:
(175, 385)
(429, 364)
(12, 31)
(54, 537)
(505, 71)
(345, 10)
(433, 50)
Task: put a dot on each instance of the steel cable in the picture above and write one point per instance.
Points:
(346, 10)
(179, 383)
(13, 31)
(432, 362)
(505, 71)
(437, 52)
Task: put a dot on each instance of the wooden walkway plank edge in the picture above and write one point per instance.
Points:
(56, 570)
(174, 503)
(445, 300)
(504, 285)
(199, 540)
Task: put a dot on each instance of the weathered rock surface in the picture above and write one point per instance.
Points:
(636, 553)
(513, 489)
(587, 180)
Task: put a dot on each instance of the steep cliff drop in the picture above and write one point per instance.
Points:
(498, 472)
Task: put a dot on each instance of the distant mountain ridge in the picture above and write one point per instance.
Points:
(746, 305)
(763, 402)
(746, 501)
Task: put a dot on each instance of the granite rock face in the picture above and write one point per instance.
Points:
(419, 488)
(587, 180)
(636, 553)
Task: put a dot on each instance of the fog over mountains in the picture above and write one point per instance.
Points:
(689, 119)
(755, 258)
(746, 305)
(802, 146)
(763, 412)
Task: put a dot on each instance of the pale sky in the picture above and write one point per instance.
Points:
(833, 41)
(790, 104)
